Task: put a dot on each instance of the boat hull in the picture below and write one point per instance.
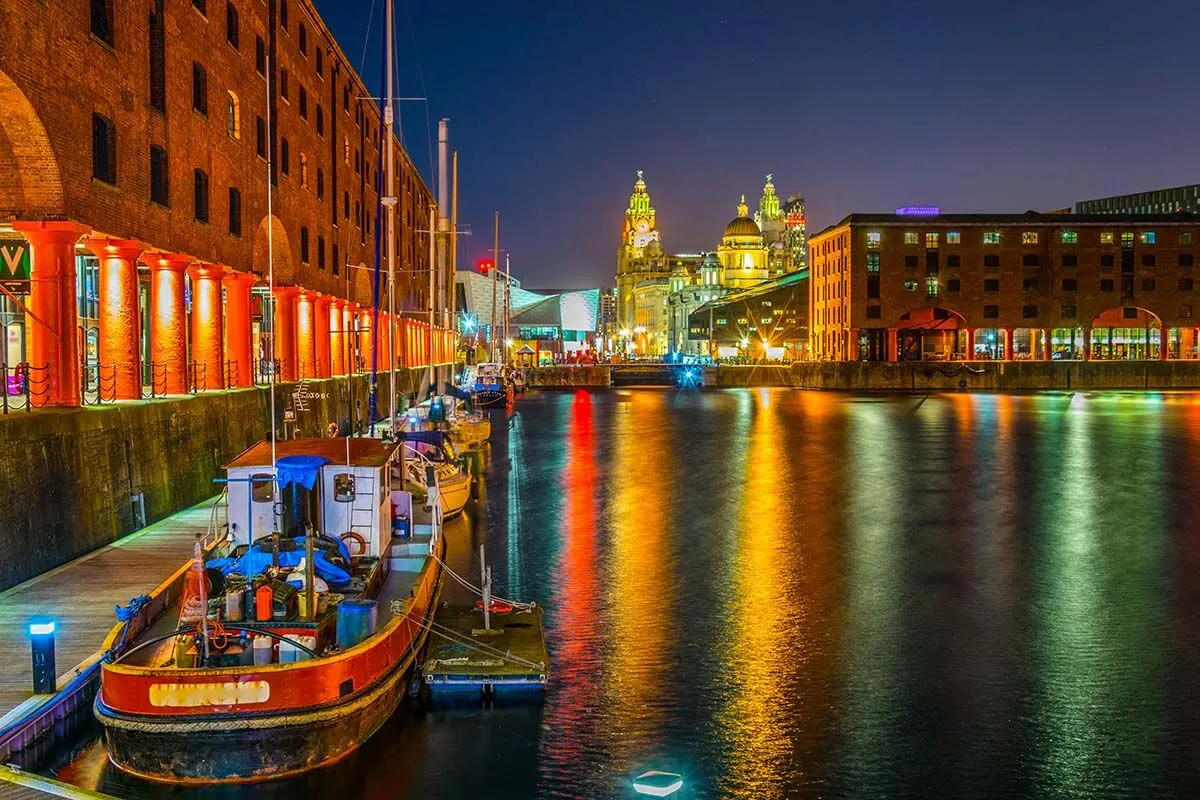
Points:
(455, 493)
(239, 749)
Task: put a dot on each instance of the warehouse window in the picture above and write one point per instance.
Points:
(200, 195)
(991, 237)
(102, 20)
(303, 39)
(283, 14)
(159, 185)
(158, 62)
(1069, 237)
(321, 252)
(320, 184)
(284, 156)
(260, 55)
(104, 149)
(304, 245)
(303, 102)
(231, 24)
(233, 116)
(260, 137)
(199, 89)
(334, 260)
(235, 212)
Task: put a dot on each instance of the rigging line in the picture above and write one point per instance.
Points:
(412, 34)
(449, 634)
(362, 62)
(523, 605)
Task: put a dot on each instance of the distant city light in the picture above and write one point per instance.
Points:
(918, 211)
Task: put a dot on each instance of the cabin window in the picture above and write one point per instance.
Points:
(343, 487)
(262, 488)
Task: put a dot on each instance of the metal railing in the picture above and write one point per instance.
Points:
(25, 387)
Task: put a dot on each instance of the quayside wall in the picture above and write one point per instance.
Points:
(988, 376)
(73, 477)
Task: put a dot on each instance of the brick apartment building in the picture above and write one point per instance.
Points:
(134, 145)
(1004, 286)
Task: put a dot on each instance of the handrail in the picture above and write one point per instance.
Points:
(195, 628)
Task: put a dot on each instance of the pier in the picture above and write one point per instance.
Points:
(465, 657)
(80, 597)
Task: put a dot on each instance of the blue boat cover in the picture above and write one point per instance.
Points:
(435, 438)
(255, 562)
(299, 469)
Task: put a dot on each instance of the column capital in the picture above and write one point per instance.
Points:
(200, 269)
(122, 248)
(51, 232)
(233, 277)
(171, 261)
(286, 291)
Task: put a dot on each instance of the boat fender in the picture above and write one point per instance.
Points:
(497, 607)
(356, 537)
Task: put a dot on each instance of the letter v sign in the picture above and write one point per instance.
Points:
(13, 256)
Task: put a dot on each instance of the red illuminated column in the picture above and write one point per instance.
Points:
(970, 344)
(893, 345)
(285, 330)
(168, 323)
(208, 351)
(336, 338)
(366, 338)
(238, 323)
(1008, 344)
(53, 328)
(120, 317)
(1163, 340)
(1087, 344)
(349, 315)
(306, 353)
(321, 335)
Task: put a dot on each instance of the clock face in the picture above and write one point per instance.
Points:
(642, 226)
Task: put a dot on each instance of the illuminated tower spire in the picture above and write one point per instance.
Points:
(743, 210)
(768, 205)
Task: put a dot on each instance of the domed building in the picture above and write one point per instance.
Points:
(742, 254)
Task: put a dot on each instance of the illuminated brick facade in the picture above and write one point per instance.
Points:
(145, 123)
(1004, 286)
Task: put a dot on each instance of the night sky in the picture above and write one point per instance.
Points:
(861, 106)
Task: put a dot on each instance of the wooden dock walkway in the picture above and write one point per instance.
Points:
(462, 658)
(80, 597)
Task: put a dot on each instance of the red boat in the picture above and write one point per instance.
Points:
(193, 691)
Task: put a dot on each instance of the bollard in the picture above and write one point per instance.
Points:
(41, 638)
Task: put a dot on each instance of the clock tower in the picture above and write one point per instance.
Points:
(640, 256)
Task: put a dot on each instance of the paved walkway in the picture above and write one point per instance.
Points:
(80, 597)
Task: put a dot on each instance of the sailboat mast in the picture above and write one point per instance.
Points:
(390, 203)
(495, 269)
(507, 303)
(432, 276)
(452, 305)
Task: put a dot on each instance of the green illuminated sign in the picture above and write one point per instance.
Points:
(14, 265)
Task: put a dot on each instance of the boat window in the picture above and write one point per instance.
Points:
(263, 488)
(343, 487)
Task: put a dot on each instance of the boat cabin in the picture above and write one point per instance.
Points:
(338, 485)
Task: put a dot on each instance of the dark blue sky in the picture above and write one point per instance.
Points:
(862, 106)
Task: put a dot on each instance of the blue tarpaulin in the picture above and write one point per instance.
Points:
(256, 561)
(299, 469)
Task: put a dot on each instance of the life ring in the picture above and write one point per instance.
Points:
(497, 607)
(357, 537)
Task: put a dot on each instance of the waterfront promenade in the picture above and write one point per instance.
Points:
(80, 596)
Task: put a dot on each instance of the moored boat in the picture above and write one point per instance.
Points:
(490, 387)
(287, 679)
(427, 451)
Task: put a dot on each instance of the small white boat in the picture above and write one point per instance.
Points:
(466, 428)
(658, 784)
(431, 450)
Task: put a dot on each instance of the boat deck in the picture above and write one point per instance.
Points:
(80, 596)
(462, 659)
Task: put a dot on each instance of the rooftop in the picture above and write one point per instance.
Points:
(358, 452)
(1035, 218)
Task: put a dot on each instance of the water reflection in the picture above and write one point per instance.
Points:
(790, 594)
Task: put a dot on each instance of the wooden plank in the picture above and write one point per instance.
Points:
(80, 597)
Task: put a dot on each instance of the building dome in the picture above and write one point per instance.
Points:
(742, 226)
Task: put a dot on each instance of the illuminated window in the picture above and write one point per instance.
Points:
(1127, 239)
(910, 237)
(742, 320)
(953, 237)
(233, 116)
(722, 321)
(873, 239)
(1029, 237)
(931, 240)
(872, 262)
(1106, 237)
(991, 237)
(303, 170)
(931, 286)
(1149, 237)
(1069, 237)
(910, 285)
(1185, 237)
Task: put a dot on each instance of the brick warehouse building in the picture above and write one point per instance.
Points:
(1004, 286)
(133, 173)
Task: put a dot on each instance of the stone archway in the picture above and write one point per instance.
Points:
(1126, 333)
(275, 247)
(931, 333)
(30, 178)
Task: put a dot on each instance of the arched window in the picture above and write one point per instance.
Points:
(233, 116)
